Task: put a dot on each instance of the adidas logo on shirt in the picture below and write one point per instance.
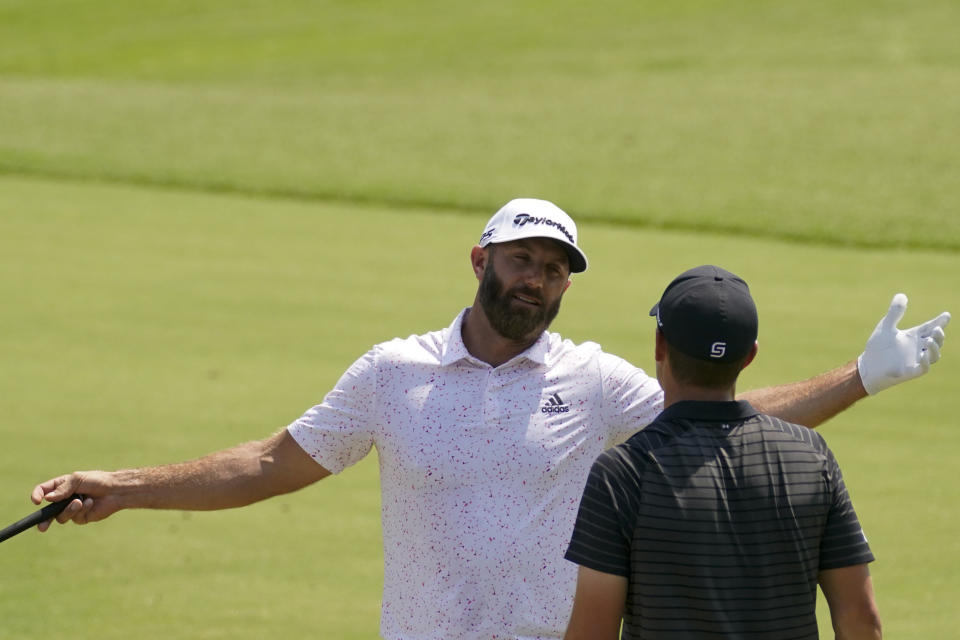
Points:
(555, 405)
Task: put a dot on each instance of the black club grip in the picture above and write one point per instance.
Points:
(52, 510)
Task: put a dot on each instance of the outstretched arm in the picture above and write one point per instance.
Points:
(890, 357)
(810, 402)
(233, 477)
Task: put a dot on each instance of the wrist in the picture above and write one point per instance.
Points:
(861, 379)
(125, 487)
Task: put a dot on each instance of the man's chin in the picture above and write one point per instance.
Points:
(518, 331)
(525, 332)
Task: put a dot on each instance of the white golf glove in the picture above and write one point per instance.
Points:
(893, 356)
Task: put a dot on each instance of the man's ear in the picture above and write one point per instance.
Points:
(478, 260)
(751, 355)
(567, 286)
(660, 347)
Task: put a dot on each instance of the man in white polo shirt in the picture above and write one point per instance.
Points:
(485, 431)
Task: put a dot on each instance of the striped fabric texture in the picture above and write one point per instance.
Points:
(721, 519)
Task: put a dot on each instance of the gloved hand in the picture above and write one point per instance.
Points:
(893, 356)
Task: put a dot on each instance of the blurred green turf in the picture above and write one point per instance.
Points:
(143, 326)
(814, 121)
(160, 300)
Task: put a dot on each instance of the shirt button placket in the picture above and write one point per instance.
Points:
(490, 402)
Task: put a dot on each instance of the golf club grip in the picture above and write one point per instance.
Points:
(52, 510)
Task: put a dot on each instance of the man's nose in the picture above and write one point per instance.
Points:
(534, 275)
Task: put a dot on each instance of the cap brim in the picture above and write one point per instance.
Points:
(576, 258)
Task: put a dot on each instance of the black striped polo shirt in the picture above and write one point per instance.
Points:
(720, 518)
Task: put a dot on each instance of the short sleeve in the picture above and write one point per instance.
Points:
(339, 432)
(602, 534)
(844, 543)
(632, 399)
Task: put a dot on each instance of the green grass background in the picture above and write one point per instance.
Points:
(208, 210)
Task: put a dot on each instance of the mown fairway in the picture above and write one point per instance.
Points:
(206, 213)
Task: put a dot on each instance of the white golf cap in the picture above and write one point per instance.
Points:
(532, 218)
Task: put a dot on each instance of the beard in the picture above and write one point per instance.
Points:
(507, 320)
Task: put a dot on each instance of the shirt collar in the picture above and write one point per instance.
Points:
(454, 349)
(709, 411)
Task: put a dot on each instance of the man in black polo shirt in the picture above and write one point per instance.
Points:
(716, 521)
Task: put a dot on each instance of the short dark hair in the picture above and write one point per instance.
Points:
(700, 373)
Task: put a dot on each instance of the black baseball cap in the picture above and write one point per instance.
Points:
(708, 314)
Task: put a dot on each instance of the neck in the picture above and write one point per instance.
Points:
(484, 343)
(673, 393)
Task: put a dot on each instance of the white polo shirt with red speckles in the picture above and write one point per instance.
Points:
(481, 473)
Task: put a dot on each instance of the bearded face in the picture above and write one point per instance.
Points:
(510, 318)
